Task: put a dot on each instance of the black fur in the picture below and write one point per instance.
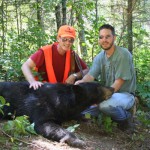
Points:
(52, 104)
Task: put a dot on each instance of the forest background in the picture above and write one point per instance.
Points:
(26, 25)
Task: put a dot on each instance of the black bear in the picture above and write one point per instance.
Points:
(52, 104)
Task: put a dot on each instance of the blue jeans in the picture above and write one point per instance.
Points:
(116, 107)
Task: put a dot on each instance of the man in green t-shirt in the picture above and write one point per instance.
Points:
(113, 66)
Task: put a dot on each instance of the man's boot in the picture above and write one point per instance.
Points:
(127, 125)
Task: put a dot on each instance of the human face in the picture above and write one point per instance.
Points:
(106, 39)
(65, 43)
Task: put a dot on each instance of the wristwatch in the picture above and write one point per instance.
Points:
(75, 75)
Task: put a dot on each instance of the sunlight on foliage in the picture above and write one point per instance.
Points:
(88, 116)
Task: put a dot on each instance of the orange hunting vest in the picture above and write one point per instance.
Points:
(49, 67)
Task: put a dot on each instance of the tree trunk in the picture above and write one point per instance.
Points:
(3, 22)
(129, 25)
(58, 16)
(39, 14)
(96, 20)
(83, 49)
(17, 18)
(20, 19)
(64, 12)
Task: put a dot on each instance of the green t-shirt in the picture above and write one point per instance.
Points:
(119, 65)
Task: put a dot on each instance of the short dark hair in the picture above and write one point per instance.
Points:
(107, 26)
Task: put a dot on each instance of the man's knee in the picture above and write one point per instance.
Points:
(103, 107)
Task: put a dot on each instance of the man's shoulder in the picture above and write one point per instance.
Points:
(99, 57)
(122, 50)
(101, 53)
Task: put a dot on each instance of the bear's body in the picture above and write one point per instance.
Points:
(52, 104)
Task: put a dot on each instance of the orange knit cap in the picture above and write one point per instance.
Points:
(66, 31)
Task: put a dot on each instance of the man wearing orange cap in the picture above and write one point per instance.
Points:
(54, 62)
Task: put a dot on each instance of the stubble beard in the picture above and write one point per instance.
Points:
(107, 48)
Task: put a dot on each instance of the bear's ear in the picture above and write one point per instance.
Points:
(107, 92)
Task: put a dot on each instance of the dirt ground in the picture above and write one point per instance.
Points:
(94, 136)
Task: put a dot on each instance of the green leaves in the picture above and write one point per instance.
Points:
(19, 126)
(2, 100)
(73, 128)
(144, 118)
(30, 129)
(106, 122)
(2, 103)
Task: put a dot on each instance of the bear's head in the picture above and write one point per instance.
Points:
(94, 91)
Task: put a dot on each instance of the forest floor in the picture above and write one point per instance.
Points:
(95, 137)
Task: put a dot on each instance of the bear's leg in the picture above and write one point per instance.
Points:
(55, 132)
